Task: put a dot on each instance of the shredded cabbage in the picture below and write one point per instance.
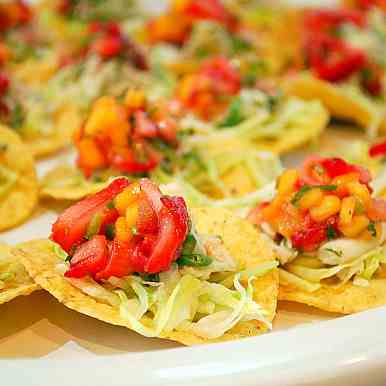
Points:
(181, 301)
(303, 273)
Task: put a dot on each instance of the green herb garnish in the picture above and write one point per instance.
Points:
(189, 245)
(331, 233)
(151, 277)
(240, 45)
(134, 231)
(234, 115)
(17, 117)
(372, 229)
(110, 205)
(93, 226)
(110, 231)
(195, 260)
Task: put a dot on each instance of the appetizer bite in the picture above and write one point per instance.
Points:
(133, 257)
(57, 66)
(344, 51)
(141, 137)
(329, 233)
(14, 280)
(18, 181)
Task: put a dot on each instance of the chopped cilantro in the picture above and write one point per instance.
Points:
(234, 115)
(151, 277)
(240, 45)
(110, 204)
(17, 117)
(255, 69)
(331, 232)
(195, 260)
(110, 231)
(372, 229)
(189, 245)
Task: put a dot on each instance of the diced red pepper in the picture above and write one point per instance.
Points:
(4, 84)
(70, 228)
(144, 126)
(142, 158)
(310, 238)
(378, 149)
(337, 167)
(321, 20)
(147, 218)
(169, 241)
(108, 46)
(210, 10)
(227, 78)
(118, 261)
(319, 171)
(332, 59)
(89, 258)
(371, 80)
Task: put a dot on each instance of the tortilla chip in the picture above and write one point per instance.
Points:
(65, 122)
(337, 102)
(19, 283)
(240, 238)
(346, 299)
(18, 203)
(294, 137)
(67, 183)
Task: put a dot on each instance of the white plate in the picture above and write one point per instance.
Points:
(43, 343)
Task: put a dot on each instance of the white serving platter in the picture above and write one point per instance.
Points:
(43, 343)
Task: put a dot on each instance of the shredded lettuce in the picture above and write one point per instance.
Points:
(306, 274)
(296, 281)
(59, 251)
(181, 301)
(344, 250)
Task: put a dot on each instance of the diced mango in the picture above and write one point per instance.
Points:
(109, 118)
(122, 231)
(124, 199)
(90, 157)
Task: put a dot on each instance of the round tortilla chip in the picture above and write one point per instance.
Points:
(19, 202)
(338, 103)
(240, 238)
(346, 299)
(67, 183)
(65, 122)
(20, 283)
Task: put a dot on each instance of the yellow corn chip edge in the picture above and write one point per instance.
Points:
(19, 203)
(340, 106)
(346, 299)
(240, 238)
(26, 288)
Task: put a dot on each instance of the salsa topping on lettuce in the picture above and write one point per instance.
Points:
(208, 91)
(121, 136)
(325, 224)
(328, 198)
(126, 228)
(332, 56)
(176, 24)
